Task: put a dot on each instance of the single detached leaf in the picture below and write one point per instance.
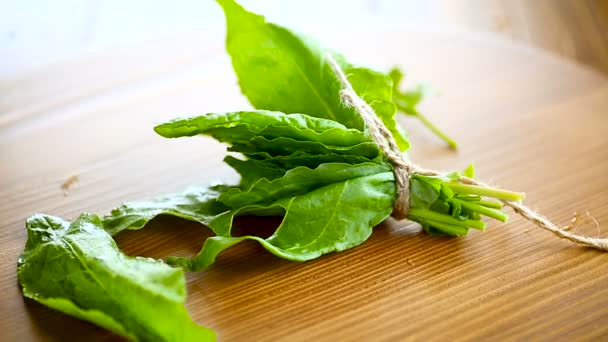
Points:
(284, 71)
(332, 218)
(78, 269)
(195, 204)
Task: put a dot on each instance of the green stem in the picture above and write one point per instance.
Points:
(448, 228)
(488, 192)
(413, 112)
(491, 204)
(433, 216)
(474, 215)
(436, 130)
(500, 216)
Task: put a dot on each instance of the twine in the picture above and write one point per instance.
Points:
(404, 169)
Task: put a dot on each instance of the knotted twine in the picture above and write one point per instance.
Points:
(404, 169)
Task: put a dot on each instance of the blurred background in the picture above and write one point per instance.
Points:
(35, 33)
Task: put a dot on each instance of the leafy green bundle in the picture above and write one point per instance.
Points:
(303, 155)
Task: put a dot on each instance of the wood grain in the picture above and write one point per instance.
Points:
(528, 121)
(575, 29)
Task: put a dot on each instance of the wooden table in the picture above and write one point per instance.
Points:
(527, 120)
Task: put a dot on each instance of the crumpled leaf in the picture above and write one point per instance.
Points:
(196, 204)
(296, 182)
(287, 147)
(308, 198)
(331, 218)
(310, 160)
(288, 72)
(78, 269)
(240, 127)
(331, 208)
(275, 133)
(252, 170)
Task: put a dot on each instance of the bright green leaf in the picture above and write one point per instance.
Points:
(240, 127)
(195, 204)
(252, 170)
(331, 218)
(78, 269)
(311, 160)
(283, 71)
(296, 182)
(287, 147)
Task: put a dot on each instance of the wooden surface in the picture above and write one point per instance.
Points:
(529, 121)
(576, 29)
